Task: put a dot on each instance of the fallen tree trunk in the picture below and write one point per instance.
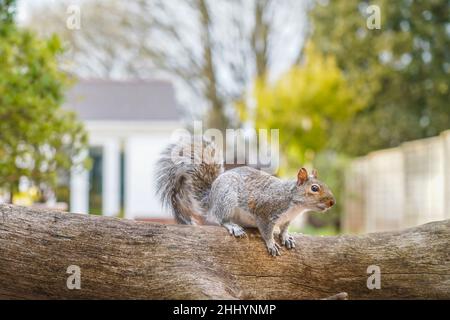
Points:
(138, 260)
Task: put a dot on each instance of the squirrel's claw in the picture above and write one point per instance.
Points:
(288, 242)
(274, 249)
(235, 230)
(239, 232)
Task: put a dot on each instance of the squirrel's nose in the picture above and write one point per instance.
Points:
(331, 203)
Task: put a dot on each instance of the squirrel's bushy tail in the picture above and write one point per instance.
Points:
(184, 175)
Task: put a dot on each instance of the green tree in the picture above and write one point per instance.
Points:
(307, 103)
(38, 139)
(402, 69)
(7, 11)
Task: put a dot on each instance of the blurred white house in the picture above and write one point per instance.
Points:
(129, 122)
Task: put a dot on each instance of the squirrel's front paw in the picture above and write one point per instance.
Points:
(287, 240)
(235, 230)
(273, 248)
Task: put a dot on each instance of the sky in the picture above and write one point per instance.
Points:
(25, 7)
(285, 46)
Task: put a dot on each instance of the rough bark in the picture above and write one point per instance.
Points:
(140, 260)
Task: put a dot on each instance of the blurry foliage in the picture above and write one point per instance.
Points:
(38, 139)
(7, 11)
(62, 193)
(306, 104)
(359, 90)
(403, 69)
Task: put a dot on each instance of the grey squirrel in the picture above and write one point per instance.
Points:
(191, 180)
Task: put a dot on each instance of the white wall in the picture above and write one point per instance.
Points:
(79, 191)
(111, 177)
(141, 154)
(142, 143)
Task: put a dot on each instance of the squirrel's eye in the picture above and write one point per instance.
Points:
(315, 188)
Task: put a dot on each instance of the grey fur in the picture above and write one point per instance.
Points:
(184, 175)
(241, 197)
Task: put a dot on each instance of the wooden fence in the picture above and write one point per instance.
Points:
(399, 187)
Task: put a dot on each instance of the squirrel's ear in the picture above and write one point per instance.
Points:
(302, 176)
(314, 173)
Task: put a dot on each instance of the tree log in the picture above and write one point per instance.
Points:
(124, 259)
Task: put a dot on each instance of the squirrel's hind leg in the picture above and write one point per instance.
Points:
(223, 208)
(221, 214)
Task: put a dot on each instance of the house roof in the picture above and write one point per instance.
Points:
(135, 100)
